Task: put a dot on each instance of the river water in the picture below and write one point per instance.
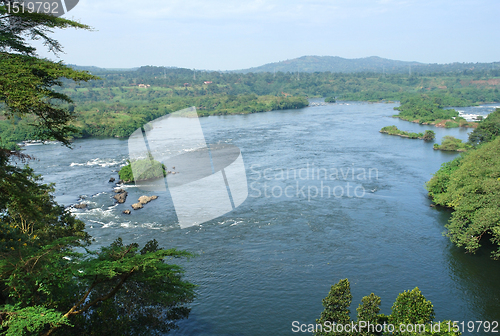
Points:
(355, 208)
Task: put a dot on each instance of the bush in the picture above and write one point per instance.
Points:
(429, 135)
(145, 169)
(450, 143)
(470, 185)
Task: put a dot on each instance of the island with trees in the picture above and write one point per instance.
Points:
(427, 110)
(146, 169)
(428, 135)
(450, 143)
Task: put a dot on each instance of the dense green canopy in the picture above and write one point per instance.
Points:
(51, 283)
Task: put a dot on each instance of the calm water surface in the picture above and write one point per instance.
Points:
(272, 260)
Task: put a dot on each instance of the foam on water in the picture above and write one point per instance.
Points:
(104, 163)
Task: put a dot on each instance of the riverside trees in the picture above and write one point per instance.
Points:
(470, 185)
(51, 283)
(412, 314)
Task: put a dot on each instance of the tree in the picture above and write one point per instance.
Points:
(46, 287)
(470, 185)
(487, 130)
(368, 312)
(336, 306)
(410, 307)
(27, 82)
(429, 135)
(450, 143)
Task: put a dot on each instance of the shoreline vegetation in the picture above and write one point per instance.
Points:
(426, 110)
(450, 143)
(119, 102)
(52, 282)
(428, 135)
(470, 186)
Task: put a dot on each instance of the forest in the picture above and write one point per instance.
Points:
(117, 102)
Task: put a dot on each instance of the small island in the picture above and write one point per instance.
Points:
(450, 143)
(149, 169)
(393, 130)
(428, 110)
(330, 100)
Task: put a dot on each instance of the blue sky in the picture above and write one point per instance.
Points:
(229, 34)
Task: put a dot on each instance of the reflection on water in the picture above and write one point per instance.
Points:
(272, 260)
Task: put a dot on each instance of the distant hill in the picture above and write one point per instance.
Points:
(333, 64)
(312, 64)
(367, 64)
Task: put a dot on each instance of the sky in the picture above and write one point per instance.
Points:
(230, 34)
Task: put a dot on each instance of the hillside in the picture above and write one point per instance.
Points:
(333, 64)
(375, 64)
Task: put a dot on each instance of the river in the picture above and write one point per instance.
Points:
(273, 259)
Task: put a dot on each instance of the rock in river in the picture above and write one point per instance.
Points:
(137, 206)
(121, 197)
(147, 199)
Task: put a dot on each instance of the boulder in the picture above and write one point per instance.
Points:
(119, 191)
(126, 212)
(146, 199)
(121, 197)
(112, 179)
(137, 206)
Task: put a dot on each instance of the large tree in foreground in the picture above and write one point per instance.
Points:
(46, 286)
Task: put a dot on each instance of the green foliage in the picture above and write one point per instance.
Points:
(368, 312)
(27, 82)
(410, 307)
(330, 100)
(450, 143)
(393, 130)
(438, 184)
(46, 287)
(487, 130)
(119, 290)
(30, 320)
(470, 186)
(429, 135)
(145, 169)
(138, 289)
(369, 308)
(15, 27)
(336, 305)
(116, 106)
(26, 90)
(424, 109)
